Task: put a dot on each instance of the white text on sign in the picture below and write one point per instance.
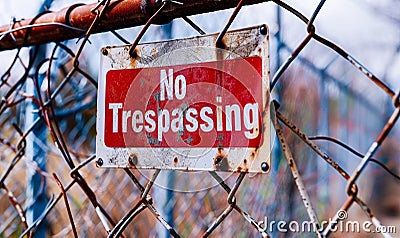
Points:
(185, 117)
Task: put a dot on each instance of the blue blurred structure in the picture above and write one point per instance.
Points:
(36, 191)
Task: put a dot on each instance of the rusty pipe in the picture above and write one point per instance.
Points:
(119, 14)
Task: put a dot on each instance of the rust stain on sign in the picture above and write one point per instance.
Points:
(186, 104)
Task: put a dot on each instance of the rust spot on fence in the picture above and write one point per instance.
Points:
(221, 160)
(254, 152)
(133, 160)
(221, 44)
(135, 56)
(243, 167)
(291, 164)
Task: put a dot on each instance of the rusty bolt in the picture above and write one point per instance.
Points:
(264, 166)
(133, 160)
(263, 29)
(100, 162)
(104, 51)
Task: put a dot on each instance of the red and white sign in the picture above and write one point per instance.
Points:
(190, 112)
(213, 104)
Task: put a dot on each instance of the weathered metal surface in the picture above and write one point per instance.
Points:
(187, 105)
(298, 179)
(53, 26)
(313, 146)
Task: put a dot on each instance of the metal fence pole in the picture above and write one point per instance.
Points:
(36, 190)
(36, 198)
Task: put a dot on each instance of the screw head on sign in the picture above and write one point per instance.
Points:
(263, 29)
(264, 166)
(104, 52)
(100, 162)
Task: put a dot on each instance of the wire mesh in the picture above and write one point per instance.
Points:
(84, 200)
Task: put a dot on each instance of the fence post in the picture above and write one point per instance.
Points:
(36, 154)
(36, 191)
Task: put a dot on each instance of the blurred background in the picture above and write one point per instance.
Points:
(320, 92)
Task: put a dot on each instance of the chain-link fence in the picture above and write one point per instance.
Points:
(326, 102)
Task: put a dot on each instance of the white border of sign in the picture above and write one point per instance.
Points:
(241, 43)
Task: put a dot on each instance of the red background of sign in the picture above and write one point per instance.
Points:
(238, 81)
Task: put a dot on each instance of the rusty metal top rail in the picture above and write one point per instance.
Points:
(66, 23)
